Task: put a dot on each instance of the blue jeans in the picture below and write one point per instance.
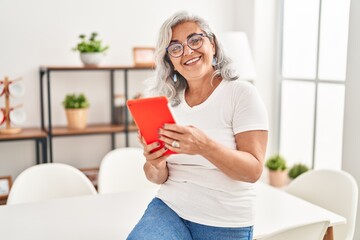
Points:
(159, 222)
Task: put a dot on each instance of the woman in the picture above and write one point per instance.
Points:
(221, 135)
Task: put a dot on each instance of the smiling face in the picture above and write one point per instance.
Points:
(193, 64)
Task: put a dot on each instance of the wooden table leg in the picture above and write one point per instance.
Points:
(329, 235)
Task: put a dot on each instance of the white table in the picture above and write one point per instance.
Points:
(277, 210)
(112, 216)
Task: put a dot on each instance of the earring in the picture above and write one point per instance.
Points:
(175, 77)
(214, 61)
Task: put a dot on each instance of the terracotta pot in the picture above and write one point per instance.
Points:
(77, 118)
(278, 178)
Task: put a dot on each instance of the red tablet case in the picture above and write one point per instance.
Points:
(150, 114)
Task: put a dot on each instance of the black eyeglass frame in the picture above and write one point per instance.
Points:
(187, 43)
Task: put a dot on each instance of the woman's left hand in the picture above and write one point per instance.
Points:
(190, 140)
(245, 163)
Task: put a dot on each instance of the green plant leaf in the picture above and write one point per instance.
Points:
(297, 170)
(275, 163)
(75, 101)
(91, 45)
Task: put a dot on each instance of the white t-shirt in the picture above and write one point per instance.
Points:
(197, 190)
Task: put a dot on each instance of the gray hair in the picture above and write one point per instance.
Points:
(162, 83)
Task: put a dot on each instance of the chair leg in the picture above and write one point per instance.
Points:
(329, 235)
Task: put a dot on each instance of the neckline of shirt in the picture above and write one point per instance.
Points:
(202, 105)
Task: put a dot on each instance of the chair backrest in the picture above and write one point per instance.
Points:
(49, 181)
(334, 190)
(310, 231)
(122, 170)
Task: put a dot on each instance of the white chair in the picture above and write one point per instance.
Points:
(122, 170)
(310, 231)
(49, 181)
(336, 191)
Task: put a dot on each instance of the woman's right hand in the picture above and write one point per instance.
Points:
(155, 167)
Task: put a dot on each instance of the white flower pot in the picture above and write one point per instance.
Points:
(91, 59)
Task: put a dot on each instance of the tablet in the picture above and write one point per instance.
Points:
(150, 114)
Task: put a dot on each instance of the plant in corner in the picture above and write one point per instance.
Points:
(277, 170)
(297, 170)
(76, 107)
(91, 49)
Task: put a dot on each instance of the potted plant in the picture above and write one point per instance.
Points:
(277, 170)
(297, 170)
(91, 50)
(76, 107)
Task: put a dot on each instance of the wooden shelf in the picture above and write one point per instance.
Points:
(133, 127)
(91, 129)
(26, 133)
(77, 68)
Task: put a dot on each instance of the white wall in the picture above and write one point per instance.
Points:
(244, 18)
(266, 48)
(40, 32)
(259, 20)
(351, 139)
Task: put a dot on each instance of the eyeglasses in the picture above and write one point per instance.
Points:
(194, 42)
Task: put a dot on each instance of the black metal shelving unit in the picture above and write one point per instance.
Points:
(110, 128)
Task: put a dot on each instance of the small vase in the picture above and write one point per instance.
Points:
(77, 118)
(91, 59)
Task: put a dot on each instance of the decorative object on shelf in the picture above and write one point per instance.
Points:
(296, 170)
(119, 109)
(5, 186)
(277, 170)
(91, 50)
(76, 107)
(144, 56)
(11, 115)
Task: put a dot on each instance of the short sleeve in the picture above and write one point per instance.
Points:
(249, 111)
